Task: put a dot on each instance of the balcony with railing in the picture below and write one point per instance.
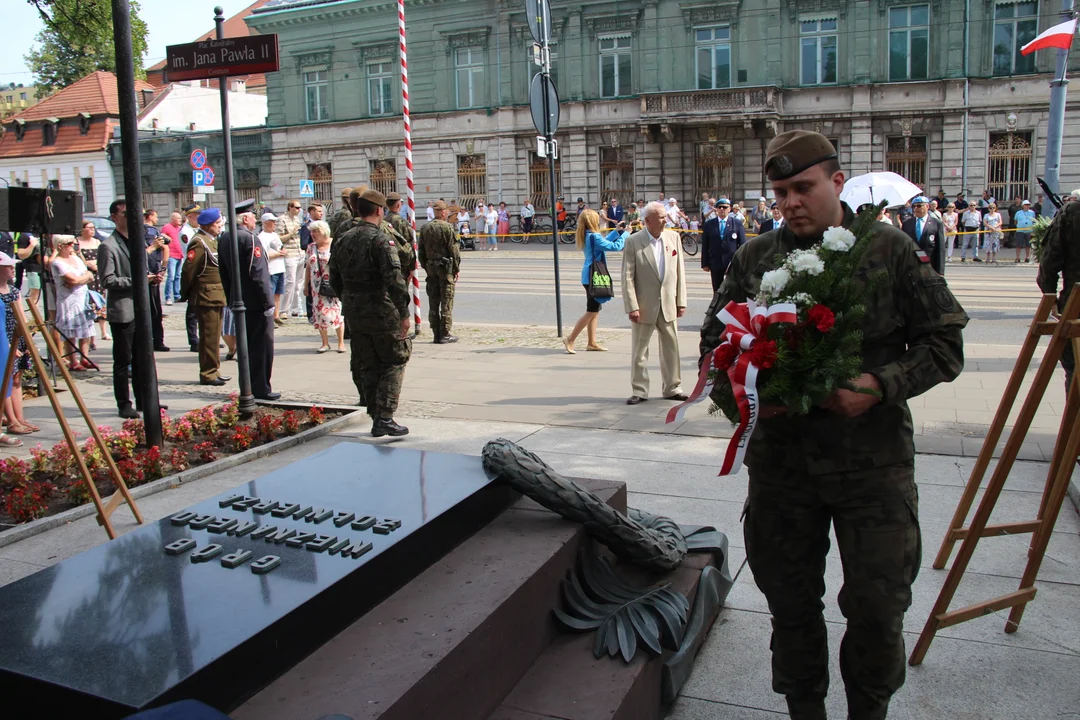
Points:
(707, 104)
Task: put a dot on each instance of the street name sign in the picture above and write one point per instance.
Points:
(221, 58)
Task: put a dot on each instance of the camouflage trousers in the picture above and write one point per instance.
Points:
(875, 516)
(378, 369)
(440, 293)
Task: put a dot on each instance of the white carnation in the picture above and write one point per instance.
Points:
(838, 239)
(807, 261)
(774, 282)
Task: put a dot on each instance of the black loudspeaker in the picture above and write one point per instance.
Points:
(40, 211)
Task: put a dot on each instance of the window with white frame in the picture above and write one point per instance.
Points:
(817, 51)
(713, 57)
(469, 76)
(380, 87)
(615, 66)
(909, 42)
(89, 203)
(1015, 25)
(317, 94)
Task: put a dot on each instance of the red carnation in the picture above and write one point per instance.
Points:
(821, 317)
(725, 355)
(763, 354)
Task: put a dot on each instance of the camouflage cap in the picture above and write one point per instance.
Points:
(375, 197)
(794, 151)
(440, 205)
(393, 197)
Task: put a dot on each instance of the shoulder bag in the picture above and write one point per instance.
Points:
(600, 285)
(324, 285)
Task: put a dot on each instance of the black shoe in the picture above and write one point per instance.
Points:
(194, 348)
(447, 339)
(269, 396)
(678, 397)
(128, 413)
(230, 356)
(161, 348)
(388, 427)
(221, 346)
(635, 399)
(216, 382)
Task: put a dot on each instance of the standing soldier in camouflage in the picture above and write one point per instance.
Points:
(1061, 256)
(404, 231)
(366, 274)
(441, 260)
(850, 462)
(342, 219)
(200, 284)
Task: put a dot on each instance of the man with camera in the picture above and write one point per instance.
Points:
(155, 266)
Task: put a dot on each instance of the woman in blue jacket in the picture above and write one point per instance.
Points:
(594, 245)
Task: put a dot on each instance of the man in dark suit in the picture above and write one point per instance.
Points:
(257, 293)
(114, 269)
(777, 220)
(720, 238)
(615, 211)
(926, 230)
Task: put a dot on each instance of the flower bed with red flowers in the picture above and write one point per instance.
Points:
(50, 481)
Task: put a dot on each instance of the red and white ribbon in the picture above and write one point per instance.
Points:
(415, 280)
(744, 324)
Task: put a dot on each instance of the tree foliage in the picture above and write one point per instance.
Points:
(77, 40)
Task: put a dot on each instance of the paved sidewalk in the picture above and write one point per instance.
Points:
(973, 670)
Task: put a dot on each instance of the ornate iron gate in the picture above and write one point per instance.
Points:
(906, 156)
(713, 172)
(323, 178)
(383, 176)
(540, 182)
(1009, 165)
(471, 179)
(617, 174)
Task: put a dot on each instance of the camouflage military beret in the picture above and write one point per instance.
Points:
(440, 205)
(393, 197)
(794, 151)
(375, 197)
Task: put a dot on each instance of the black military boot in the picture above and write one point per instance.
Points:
(806, 708)
(387, 426)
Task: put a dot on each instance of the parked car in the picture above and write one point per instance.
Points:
(103, 226)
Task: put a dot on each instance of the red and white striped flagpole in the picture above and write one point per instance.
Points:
(408, 162)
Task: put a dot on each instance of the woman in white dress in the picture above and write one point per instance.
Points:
(74, 314)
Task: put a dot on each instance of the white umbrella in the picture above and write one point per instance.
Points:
(873, 188)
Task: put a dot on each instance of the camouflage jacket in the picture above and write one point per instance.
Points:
(912, 340)
(400, 228)
(340, 222)
(439, 252)
(1061, 253)
(366, 274)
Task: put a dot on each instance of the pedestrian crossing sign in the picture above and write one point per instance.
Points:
(307, 188)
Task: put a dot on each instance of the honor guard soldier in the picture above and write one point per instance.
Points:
(341, 221)
(365, 272)
(441, 260)
(850, 463)
(200, 284)
(404, 231)
(257, 293)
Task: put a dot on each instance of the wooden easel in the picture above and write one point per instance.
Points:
(23, 330)
(1062, 330)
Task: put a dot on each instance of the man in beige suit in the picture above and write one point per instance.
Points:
(654, 295)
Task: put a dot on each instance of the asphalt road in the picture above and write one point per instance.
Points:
(515, 286)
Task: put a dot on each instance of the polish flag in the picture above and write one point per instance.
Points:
(1059, 36)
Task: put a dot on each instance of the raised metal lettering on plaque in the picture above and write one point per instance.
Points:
(321, 542)
(285, 510)
(301, 514)
(222, 525)
(320, 515)
(264, 507)
(243, 528)
(207, 553)
(265, 564)
(336, 547)
(299, 539)
(230, 500)
(236, 559)
(179, 547)
(202, 521)
(356, 550)
(264, 531)
(184, 518)
(246, 503)
(281, 535)
(364, 523)
(342, 519)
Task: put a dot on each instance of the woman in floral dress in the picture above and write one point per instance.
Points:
(13, 404)
(74, 316)
(88, 249)
(325, 312)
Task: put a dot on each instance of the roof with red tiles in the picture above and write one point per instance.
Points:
(69, 139)
(95, 94)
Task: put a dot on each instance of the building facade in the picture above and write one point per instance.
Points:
(661, 97)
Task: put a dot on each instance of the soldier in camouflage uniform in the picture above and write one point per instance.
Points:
(850, 462)
(366, 274)
(1061, 256)
(403, 229)
(441, 260)
(341, 221)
